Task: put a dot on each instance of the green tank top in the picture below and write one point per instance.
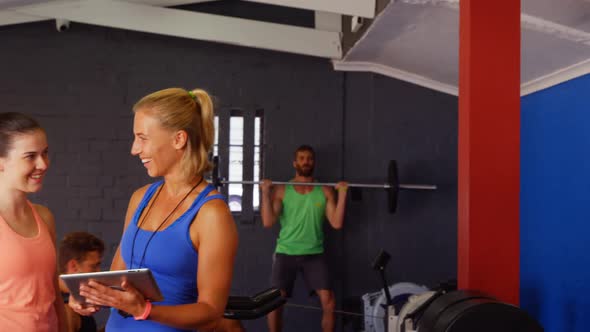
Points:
(302, 222)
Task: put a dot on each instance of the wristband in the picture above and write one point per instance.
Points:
(343, 189)
(146, 312)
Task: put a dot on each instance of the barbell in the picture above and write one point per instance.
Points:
(392, 186)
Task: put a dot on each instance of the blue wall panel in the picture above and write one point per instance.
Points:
(555, 206)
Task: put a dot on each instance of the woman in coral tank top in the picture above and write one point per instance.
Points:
(29, 292)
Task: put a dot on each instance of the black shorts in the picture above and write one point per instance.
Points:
(313, 267)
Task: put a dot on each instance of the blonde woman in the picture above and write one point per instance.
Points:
(179, 227)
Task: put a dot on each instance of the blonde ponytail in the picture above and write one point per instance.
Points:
(191, 111)
(207, 130)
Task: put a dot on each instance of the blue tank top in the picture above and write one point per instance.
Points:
(170, 256)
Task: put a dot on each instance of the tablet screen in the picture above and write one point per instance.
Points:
(142, 279)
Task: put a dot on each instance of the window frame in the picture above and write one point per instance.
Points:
(248, 210)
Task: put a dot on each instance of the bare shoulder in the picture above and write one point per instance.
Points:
(138, 195)
(47, 217)
(214, 221)
(45, 214)
(214, 211)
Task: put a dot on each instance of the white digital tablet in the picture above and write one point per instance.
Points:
(142, 279)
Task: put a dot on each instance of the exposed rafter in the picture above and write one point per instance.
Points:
(194, 25)
(363, 8)
(9, 17)
(167, 3)
(9, 14)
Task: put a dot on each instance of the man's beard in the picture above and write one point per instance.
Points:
(305, 172)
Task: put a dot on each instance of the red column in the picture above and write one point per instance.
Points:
(489, 148)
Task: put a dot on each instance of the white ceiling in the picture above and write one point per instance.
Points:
(412, 40)
(417, 41)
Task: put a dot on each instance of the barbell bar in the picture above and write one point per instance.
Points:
(332, 184)
(392, 186)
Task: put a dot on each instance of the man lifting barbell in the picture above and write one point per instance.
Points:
(300, 242)
(301, 211)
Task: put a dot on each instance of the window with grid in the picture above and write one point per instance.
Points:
(240, 131)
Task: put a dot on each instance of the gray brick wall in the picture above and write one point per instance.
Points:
(81, 85)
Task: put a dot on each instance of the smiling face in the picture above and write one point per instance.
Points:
(26, 161)
(155, 145)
